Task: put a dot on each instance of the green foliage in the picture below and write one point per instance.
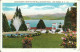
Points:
(41, 24)
(12, 36)
(5, 26)
(69, 41)
(27, 42)
(12, 27)
(18, 36)
(47, 31)
(75, 4)
(23, 25)
(23, 35)
(71, 18)
(20, 14)
(4, 36)
(36, 34)
(57, 30)
(67, 18)
(60, 25)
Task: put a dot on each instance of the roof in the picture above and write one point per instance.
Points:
(48, 28)
(27, 23)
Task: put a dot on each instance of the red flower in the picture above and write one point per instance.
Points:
(64, 43)
(70, 34)
(64, 38)
(72, 43)
(74, 35)
(65, 34)
(29, 41)
(26, 37)
(30, 38)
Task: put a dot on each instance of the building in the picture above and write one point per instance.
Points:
(54, 27)
(28, 26)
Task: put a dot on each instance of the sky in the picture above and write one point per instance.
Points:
(35, 8)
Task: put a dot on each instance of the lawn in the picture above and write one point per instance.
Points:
(42, 41)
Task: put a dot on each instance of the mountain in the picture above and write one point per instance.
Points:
(57, 16)
(53, 15)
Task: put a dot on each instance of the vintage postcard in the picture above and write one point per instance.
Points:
(39, 25)
(34, 25)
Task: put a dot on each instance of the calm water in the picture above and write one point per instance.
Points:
(48, 23)
(15, 34)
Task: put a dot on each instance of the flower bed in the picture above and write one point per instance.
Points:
(27, 42)
(69, 41)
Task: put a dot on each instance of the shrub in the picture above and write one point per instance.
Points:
(47, 31)
(18, 36)
(12, 36)
(4, 36)
(27, 42)
(69, 41)
(57, 30)
(23, 35)
(8, 36)
(33, 35)
(38, 33)
(41, 24)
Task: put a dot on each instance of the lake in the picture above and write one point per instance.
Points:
(48, 23)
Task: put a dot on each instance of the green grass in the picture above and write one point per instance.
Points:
(42, 41)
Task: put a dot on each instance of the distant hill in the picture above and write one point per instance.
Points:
(57, 16)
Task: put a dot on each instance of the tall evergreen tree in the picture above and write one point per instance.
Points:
(12, 27)
(41, 25)
(67, 17)
(17, 11)
(60, 25)
(74, 16)
(23, 26)
(75, 4)
(70, 18)
(6, 27)
(20, 14)
(67, 21)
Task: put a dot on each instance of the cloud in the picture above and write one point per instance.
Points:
(35, 10)
(14, 7)
(42, 7)
(45, 10)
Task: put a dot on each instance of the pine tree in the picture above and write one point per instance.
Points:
(74, 16)
(20, 15)
(41, 25)
(23, 26)
(12, 27)
(67, 17)
(70, 18)
(16, 11)
(75, 4)
(5, 26)
(59, 25)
